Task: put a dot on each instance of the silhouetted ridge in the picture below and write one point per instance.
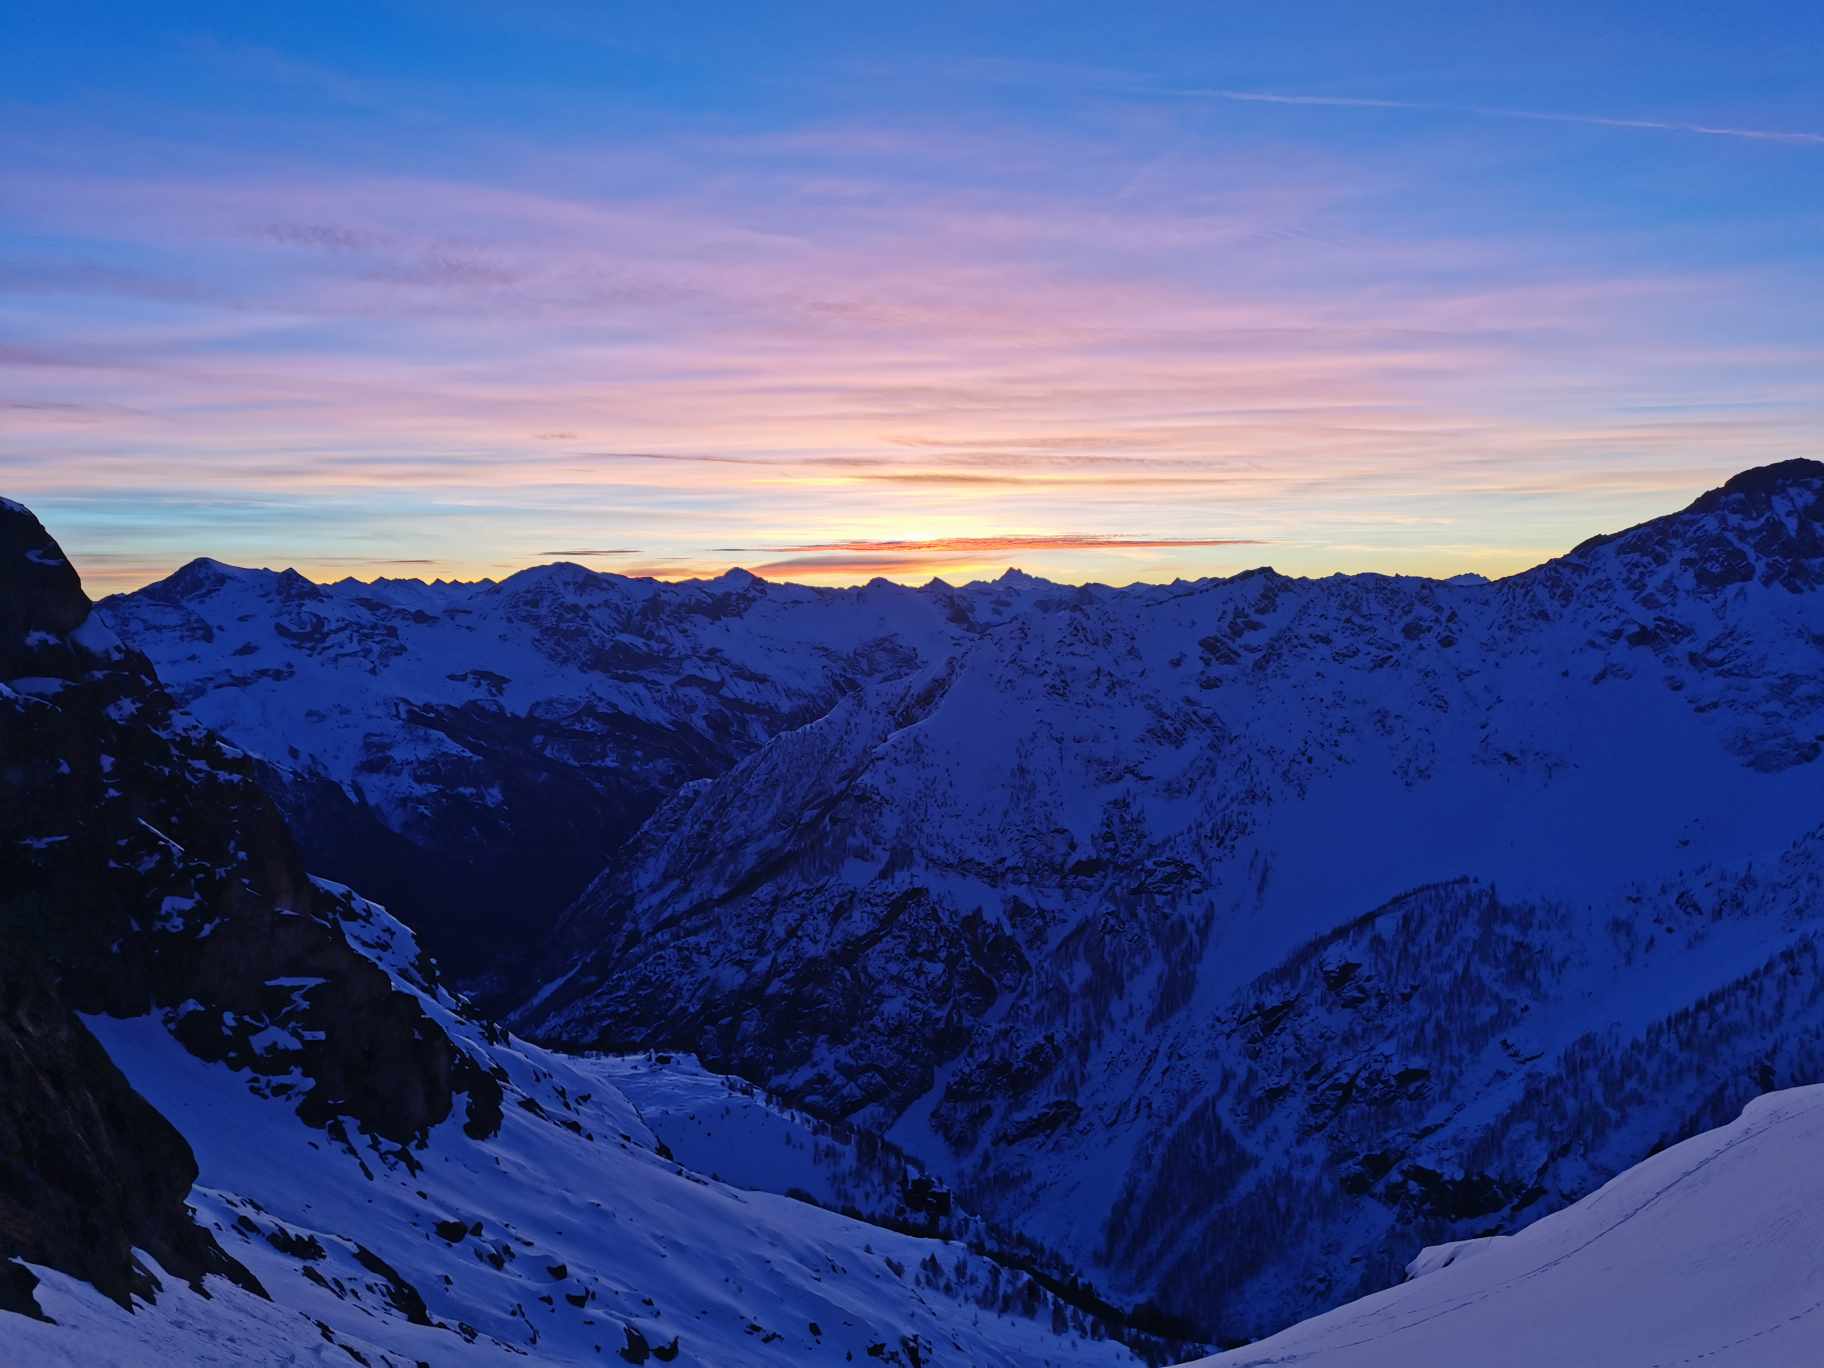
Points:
(1762, 483)
(142, 868)
(40, 594)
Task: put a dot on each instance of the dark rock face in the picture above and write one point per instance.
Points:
(88, 1170)
(145, 869)
(44, 601)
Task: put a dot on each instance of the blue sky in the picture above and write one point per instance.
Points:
(1110, 292)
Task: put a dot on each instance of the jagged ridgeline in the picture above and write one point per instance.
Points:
(1234, 938)
(1059, 910)
(468, 753)
(242, 1117)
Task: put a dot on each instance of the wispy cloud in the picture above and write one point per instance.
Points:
(1013, 480)
(847, 568)
(327, 237)
(862, 369)
(1796, 138)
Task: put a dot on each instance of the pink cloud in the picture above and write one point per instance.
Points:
(916, 360)
(1065, 541)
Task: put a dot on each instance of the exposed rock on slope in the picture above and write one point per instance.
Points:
(144, 869)
(89, 1172)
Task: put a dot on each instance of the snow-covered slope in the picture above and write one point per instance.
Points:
(242, 1120)
(1704, 1253)
(566, 1237)
(1111, 911)
(733, 1131)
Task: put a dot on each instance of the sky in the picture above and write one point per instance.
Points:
(1108, 292)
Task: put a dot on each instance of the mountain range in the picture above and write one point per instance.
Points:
(1166, 963)
(1322, 905)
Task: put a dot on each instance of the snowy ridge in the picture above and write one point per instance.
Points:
(1702, 1253)
(452, 746)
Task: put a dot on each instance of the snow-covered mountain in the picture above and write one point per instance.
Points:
(1704, 1253)
(468, 753)
(1345, 915)
(220, 1072)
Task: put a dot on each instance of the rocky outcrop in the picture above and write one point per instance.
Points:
(44, 602)
(89, 1171)
(143, 868)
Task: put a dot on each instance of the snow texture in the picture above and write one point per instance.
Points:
(1705, 1253)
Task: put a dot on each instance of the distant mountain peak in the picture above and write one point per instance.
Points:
(195, 579)
(558, 571)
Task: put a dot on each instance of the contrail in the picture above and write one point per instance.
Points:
(1489, 112)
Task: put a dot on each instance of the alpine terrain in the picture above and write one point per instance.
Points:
(1234, 938)
(1050, 854)
(1206, 949)
(470, 752)
(244, 1121)
(1245, 936)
